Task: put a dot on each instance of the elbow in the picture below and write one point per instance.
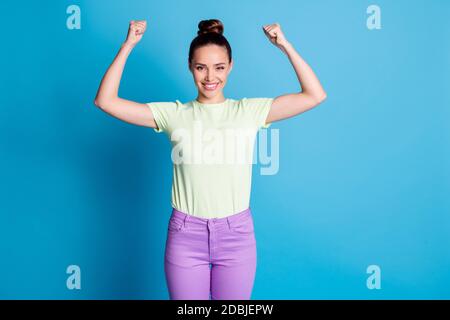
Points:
(99, 102)
(103, 102)
(317, 97)
(321, 98)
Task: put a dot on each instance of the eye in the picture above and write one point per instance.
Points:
(199, 67)
(221, 68)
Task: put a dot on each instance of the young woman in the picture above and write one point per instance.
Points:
(210, 246)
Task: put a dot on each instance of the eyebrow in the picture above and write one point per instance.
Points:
(201, 64)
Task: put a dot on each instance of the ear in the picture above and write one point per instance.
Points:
(231, 65)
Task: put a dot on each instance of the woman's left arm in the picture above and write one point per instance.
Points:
(312, 93)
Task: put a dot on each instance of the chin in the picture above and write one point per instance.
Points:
(210, 94)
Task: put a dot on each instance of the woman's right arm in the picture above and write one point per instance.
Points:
(107, 97)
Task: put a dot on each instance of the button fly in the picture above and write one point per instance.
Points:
(211, 237)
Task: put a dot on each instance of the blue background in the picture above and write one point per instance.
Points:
(363, 178)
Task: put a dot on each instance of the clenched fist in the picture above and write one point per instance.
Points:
(136, 30)
(275, 35)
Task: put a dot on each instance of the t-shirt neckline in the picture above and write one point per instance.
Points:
(211, 104)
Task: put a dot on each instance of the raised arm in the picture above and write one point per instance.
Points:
(312, 93)
(107, 97)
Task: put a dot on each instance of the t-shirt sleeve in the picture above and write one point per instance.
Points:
(258, 109)
(163, 113)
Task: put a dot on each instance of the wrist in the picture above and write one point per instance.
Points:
(127, 45)
(285, 47)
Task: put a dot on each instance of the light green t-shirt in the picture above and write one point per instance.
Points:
(212, 152)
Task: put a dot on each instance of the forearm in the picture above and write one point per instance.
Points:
(109, 86)
(306, 77)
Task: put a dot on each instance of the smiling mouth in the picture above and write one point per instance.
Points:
(211, 87)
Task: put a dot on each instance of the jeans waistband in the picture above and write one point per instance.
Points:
(188, 217)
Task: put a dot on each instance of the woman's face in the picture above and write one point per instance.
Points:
(210, 66)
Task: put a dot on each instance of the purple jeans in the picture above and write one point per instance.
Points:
(214, 256)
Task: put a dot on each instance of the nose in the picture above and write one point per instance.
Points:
(209, 75)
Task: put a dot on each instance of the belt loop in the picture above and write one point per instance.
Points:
(229, 224)
(186, 217)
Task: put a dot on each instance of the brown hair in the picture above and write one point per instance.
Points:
(209, 32)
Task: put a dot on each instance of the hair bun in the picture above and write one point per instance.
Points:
(210, 26)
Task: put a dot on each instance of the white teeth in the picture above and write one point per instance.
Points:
(213, 86)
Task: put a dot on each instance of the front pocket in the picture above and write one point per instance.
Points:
(243, 226)
(175, 225)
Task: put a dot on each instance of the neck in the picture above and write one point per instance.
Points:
(217, 99)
